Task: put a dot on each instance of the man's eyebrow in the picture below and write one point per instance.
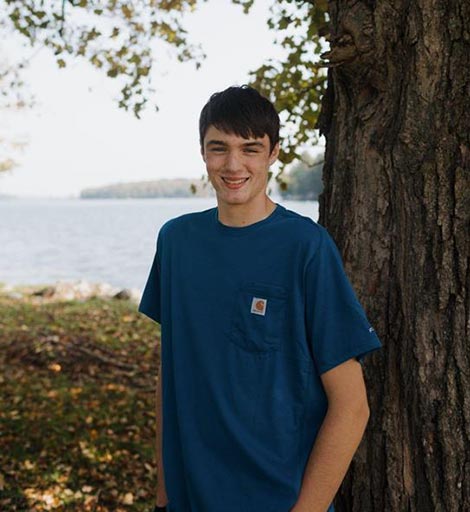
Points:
(251, 144)
(215, 142)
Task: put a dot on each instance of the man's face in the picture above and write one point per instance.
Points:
(237, 167)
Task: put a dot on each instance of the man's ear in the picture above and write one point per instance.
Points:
(202, 153)
(274, 154)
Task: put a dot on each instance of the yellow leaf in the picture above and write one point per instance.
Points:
(28, 464)
(128, 499)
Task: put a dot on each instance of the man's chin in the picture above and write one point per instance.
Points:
(231, 200)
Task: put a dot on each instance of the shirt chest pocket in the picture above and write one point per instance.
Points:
(258, 320)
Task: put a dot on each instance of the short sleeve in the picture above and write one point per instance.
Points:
(150, 303)
(337, 326)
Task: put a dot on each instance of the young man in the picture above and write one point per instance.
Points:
(263, 397)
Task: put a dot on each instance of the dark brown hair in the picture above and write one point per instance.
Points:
(240, 110)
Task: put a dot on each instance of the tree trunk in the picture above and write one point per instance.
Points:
(396, 117)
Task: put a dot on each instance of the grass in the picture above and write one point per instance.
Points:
(77, 417)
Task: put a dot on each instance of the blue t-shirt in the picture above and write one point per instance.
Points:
(250, 318)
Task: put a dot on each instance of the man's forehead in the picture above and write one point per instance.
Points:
(214, 135)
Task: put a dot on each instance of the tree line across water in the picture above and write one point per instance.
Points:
(303, 181)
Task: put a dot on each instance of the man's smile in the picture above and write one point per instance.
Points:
(235, 183)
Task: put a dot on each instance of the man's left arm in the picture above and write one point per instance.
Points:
(338, 438)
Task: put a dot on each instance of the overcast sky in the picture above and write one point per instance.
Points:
(77, 137)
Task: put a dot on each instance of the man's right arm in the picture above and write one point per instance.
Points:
(162, 499)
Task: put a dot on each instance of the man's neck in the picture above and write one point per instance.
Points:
(243, 215)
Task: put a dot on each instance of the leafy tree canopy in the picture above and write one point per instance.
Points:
(113, 35)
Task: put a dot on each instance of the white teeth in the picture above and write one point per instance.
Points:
(235, 182)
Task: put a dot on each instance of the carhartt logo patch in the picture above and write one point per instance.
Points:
(258, 306)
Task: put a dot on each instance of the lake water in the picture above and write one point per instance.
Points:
(99, 240)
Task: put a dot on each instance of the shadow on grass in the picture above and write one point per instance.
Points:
(77, 427)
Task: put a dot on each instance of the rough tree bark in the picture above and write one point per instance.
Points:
(396, 118)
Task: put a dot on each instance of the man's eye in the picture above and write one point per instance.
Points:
(217, 150)
(249, 150)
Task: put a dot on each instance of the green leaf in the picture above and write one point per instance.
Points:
(143, 71)
(127, 11)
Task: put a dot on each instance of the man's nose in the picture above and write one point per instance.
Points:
(233, 162)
